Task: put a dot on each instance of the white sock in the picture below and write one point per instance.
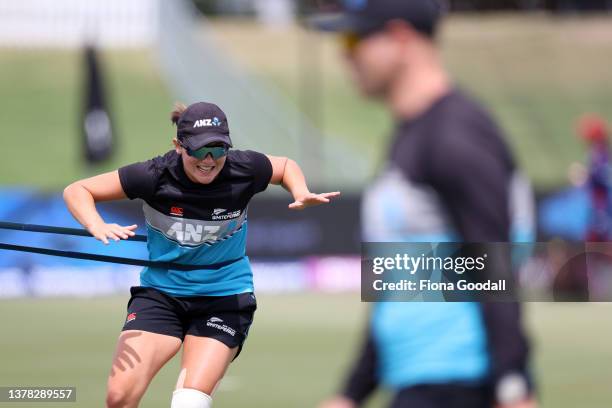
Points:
(190, 398)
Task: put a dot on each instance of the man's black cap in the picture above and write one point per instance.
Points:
(364, 17)
(203, 123)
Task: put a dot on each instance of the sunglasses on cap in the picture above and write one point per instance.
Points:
(215, 151)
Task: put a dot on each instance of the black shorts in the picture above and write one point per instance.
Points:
(225, 318)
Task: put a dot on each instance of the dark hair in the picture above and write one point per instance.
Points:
(176, 113)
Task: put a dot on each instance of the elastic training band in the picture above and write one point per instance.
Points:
(57, 230)
(95, 257)
(114, 259)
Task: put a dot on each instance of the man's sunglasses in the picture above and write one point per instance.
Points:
(216, 151)
(350, 41)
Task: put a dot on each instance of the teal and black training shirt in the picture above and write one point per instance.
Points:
(449, 177)
(197, 224)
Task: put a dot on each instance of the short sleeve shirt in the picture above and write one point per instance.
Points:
(197, 224)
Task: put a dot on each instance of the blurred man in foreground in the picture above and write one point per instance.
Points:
(449, 177)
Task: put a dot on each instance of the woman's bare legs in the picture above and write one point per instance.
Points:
(204, 363)
(138, 357)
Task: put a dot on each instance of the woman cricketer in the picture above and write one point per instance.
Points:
(195, 204)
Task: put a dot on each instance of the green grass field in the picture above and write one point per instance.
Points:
(537, 74)
(41, 107)
(297, 350)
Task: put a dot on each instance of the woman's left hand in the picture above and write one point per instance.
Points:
(312, 199)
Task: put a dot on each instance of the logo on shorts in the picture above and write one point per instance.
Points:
(215, 322)
(178, 211)
(130, 317)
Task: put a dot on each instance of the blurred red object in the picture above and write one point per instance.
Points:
(592, 128)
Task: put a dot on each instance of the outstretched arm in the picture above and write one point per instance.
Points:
(287, 173)
(81, 197)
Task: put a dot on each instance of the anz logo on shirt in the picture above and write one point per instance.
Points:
(186, 232)
(194, 232)
(201, 232)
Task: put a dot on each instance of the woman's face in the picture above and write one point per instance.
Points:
(202, 171)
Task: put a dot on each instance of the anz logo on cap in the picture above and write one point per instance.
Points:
(355, 5)
(207, 122)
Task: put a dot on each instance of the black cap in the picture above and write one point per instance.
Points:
(363, 17)
(203, 123)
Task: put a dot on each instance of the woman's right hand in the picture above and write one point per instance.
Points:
(81, 198)
(103, 231)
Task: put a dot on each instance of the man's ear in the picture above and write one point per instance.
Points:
(177, 146)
